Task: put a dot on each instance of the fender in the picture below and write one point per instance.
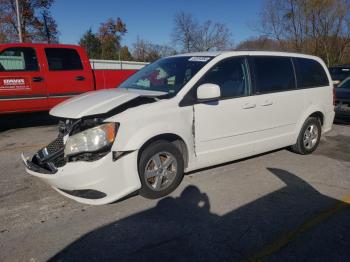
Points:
(137, 139)
(143, 135)
(135, 129)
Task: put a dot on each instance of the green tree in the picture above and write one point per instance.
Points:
(91, 44)
(125, 54)
(36, 21)
(110, 34)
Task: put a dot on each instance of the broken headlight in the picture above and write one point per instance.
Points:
(91, 140)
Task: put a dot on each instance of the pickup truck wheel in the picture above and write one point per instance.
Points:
(161, 169)
(309, 137)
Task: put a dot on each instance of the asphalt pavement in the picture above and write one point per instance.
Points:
(278, 206)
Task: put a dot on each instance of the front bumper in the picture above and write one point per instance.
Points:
(107, 179)
(342, 108)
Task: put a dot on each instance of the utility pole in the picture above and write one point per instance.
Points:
(47, 31)
(19, 26)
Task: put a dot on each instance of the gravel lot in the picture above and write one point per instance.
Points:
(275, 206)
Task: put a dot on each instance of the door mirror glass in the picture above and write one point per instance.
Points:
(208, 92)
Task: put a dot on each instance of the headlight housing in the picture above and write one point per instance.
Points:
(91, 140)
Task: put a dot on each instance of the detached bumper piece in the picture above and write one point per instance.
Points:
(36, 168)
(49, 158)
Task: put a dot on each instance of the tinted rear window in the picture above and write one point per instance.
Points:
(273, 74)
(61, 59)
(310, 73)
(339, 73)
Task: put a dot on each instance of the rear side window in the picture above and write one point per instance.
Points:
(310, 73)
(63, 59)
(273, 74)
(18, 59)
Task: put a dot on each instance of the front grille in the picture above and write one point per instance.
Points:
(55, 145)
(60, 161)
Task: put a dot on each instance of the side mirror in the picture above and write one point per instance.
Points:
(208, 92)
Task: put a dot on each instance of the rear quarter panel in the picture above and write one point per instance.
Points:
(319, 99)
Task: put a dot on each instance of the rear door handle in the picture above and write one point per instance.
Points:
(248, 106)
(79, 78)
(267, 103)
(37, 79)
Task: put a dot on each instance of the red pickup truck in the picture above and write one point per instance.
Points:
(36, 77)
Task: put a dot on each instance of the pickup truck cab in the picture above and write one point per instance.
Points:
(183, 113)
(36, 77)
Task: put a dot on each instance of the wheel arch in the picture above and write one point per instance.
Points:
(319, 115)
(311, 112)
(171, 138)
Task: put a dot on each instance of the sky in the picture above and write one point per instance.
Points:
(152, 20)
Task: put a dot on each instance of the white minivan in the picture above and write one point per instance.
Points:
(183, 113)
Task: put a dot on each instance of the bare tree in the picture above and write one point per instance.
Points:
(148, 52)
(185, 30)
(193, 36)
(2, 38)
(139, 52)
(260, 43)
(319, 27)
(212, 36)
(37, 23)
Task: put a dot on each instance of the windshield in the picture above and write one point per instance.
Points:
(167, 74)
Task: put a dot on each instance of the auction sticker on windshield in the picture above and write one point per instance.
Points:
(14, 83)
(199, 59)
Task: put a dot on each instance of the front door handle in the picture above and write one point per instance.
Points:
(79, 78)
(248, 106)
(37, 79)
(267, 103)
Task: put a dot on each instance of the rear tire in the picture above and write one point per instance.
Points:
(309, 137)
(161, 169)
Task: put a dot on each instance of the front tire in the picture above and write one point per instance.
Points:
(309, 137)
(161, 169)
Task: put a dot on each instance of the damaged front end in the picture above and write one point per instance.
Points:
(74, 143)
(80, 163)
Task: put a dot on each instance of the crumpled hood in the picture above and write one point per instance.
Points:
(98, 102)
